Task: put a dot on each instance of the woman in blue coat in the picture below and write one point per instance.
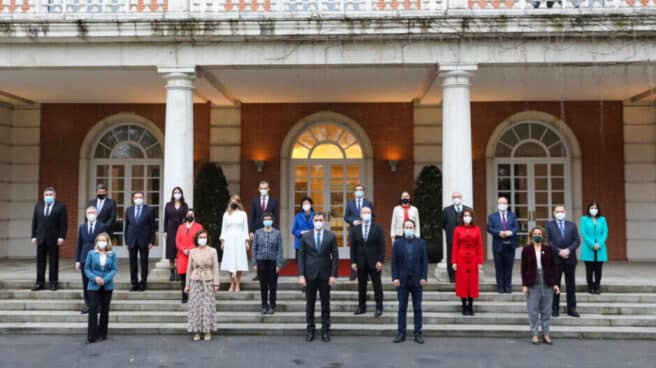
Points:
(303, 222)
(100, 268)
(594, 232)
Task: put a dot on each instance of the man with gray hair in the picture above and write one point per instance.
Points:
(86, 241)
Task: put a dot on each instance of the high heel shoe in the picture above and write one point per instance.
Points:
(208, 337)
(197, 337)
(535, 340)
(547, 340)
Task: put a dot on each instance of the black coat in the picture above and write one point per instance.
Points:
(557, 242)
(107, 214)
(86, 242)
(256, 214)
(530, 266)
(450, 221)
(139, 234)
(314, 264)
(47, 229)
(402, 268)
(370, 251)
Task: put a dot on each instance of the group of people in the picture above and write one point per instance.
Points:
(550, 253)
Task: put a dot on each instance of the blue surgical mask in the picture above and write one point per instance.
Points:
(267, 223)
(366, 217)
(48, 199)
(409, 233)
(359, 194)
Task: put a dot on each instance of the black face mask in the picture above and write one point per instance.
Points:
(234, 206)
(102, 196)
(405, 201)
(189, 218)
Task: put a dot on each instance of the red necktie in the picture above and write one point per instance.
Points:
(263, 205)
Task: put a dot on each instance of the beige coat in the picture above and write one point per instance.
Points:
(398, 217)
(203, 265)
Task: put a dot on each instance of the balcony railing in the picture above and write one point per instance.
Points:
(87, 8)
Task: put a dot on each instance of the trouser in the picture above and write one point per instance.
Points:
(98, 303)
(503, 265)
(266, 272)
(569, 269)
(47, 254)
(85, 283)
(402, 294)
(183, 282)
(593, 274)
(363, 274)
(538, 303)
(139, 258)
(449, 265)
(311, 298)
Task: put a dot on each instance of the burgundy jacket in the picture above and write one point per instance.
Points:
(530, 266)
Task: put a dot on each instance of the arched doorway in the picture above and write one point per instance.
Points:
(126, 156)
(324, 156)
(531, 162)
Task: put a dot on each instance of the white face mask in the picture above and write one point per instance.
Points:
(560, 216)
(594, 211)
(202, 242)
(457, 201)
(467, 219)
(366, 217)
(502, 207)
(306, 207)
(138, 202)
(318, 225)
(91, 217)
(359, 194)
(102, 244)
(264, 192)
(409, 233)
(177, 196)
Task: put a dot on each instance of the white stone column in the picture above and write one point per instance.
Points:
(457, 175)
(178, 140)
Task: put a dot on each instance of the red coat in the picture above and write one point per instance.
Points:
(184, 239)
(467, 254)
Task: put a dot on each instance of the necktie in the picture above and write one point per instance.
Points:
(359, 205)
(561, 226)
(263, 204)
(366, 232)
(90, 229)
(100, 204)
(318, 240)
(503, 221)
(458, 210)
(47, 212)
(138, 215)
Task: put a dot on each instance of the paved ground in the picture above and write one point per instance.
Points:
(347, 352)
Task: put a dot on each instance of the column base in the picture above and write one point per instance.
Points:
(161, 271)
(440, 272)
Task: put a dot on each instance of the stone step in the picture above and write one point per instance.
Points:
(289, 283)
(344, 306)
(455, 330)
(337, 295)
(430, 318)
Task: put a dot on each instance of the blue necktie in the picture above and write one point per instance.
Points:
(561, 226)
(318, 240)
(138, 215)
(366, 231)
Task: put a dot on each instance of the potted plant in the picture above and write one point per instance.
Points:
(428, 199)
(211, 198)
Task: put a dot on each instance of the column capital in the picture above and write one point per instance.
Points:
(454, 75)
(177, 71)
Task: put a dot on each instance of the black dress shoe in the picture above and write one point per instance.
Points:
(143, 288)
(573, 313)
(172, 275)
(597, 291)
(555, 313)
(269, 310)
(325, 337)
(53, 286)
(256, 278)
(470, 311)
(84, 310)
(309, 337)
(91, 341)
(399, 338)
(499, 291)
(465, 311)
(379, 312)
(508, 290)
(134, 288)
(360, 311)
(591, 290)
(419, 339)
(37, 287)
(101, 338)
(264, 310)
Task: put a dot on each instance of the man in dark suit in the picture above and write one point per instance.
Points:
(317, 270)
(563, 236)
(86, 241)
(503, 226)
(450, 217)
(106, 208)
(409, 275)
(352, 213)
(49, 225)
(367, 242)
(259, 206)
(139, 234)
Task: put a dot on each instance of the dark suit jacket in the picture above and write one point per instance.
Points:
(494, 226)
(46, 230)
(370, 251)
(351, 214)
(107, 214)
(400, 269)
(315, 264)
(256, 214)
(530, 266)
(450, 221)
(86, 242)
(570, 241)
(139, 234)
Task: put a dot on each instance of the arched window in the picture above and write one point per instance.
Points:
(530, 139)
(126, 142)
(327, 141)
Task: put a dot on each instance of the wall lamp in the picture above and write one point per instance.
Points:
(394, 164)
(259, 165)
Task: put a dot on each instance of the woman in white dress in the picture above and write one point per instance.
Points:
(234, 242)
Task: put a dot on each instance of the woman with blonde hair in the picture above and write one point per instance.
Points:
(202, 283)
(234, 242)
(100, 268)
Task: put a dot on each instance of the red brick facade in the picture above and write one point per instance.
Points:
(63, 129)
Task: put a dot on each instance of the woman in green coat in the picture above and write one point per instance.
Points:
(594, 232)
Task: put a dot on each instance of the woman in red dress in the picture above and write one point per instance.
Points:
(184, 241)
(467, 259)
